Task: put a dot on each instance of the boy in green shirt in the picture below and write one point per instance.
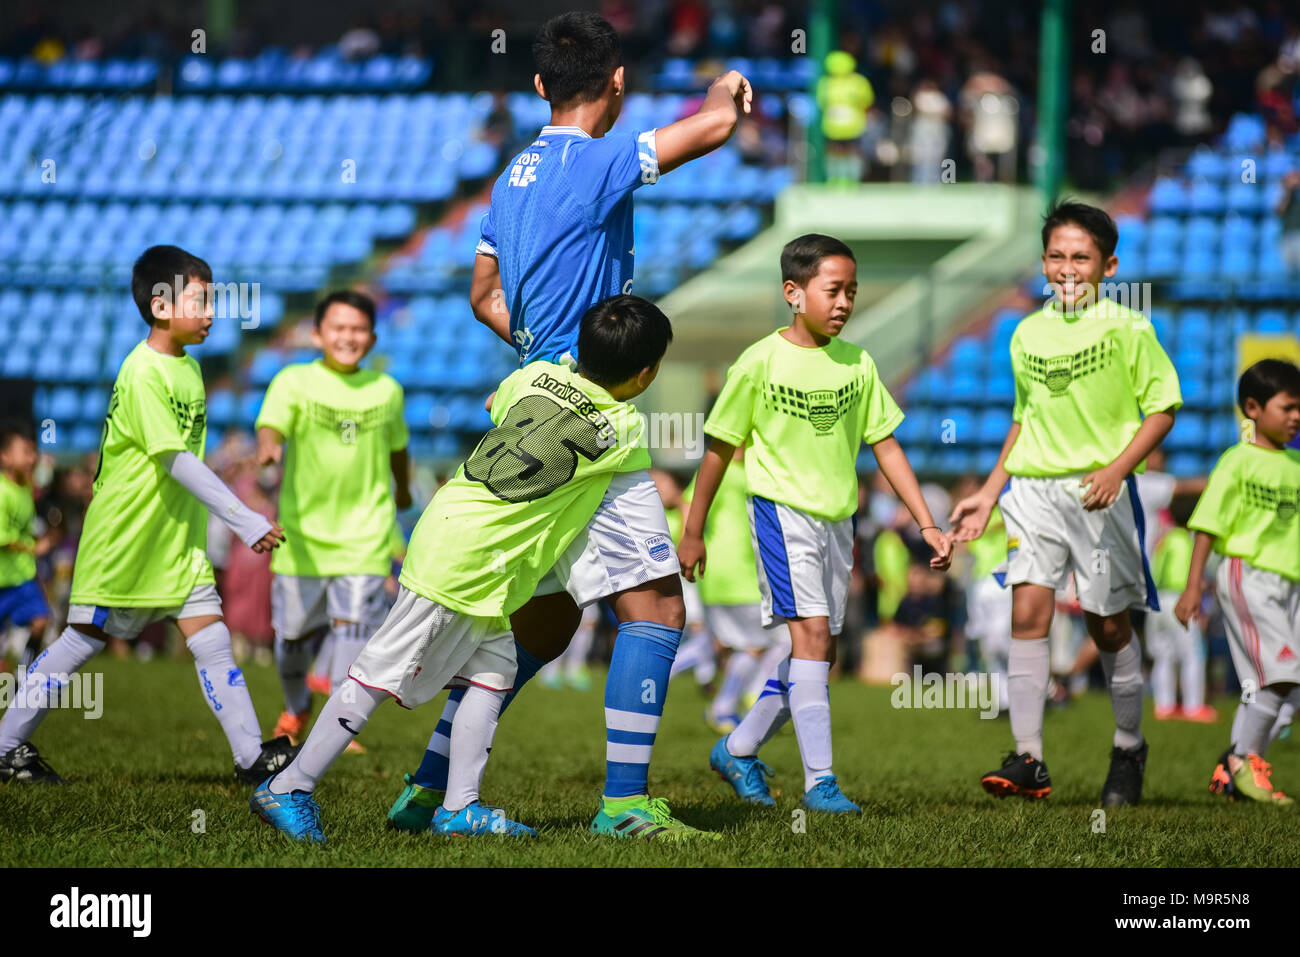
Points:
(1249, 514)
(21, 600)
(804, 401)
(142, 554)
(345, 430)
(488, 537)
(1095, 393)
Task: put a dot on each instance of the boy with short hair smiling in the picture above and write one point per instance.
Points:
(346, 432)
(1095, 393)
(142, 553)
(805, 401)
(1250, 514)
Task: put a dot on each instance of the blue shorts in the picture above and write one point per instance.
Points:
(21, 603)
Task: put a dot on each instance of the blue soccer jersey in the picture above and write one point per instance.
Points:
(560, 227)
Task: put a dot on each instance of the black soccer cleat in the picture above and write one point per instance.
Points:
(1221, 780)
(24, 763)
(275, 757)
(1124, 780)
(1020, 774)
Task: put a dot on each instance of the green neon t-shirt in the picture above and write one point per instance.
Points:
(144, 541)
(17, 509)
(525, 492)
(730, 572)
(805, 413)
(1250, 506)
(336, 500)
(1172, 561)
(990, 549)
(1081, 382)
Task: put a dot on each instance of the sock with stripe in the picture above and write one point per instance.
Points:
(1261, 715)
(634, 702)
(770, 712)
(1124, 676)
(1028, 666)
(772, 659)
(735, 677)
(471, 743)
(433, 770)
(810, 708)
(349, 638)
(67, 655)
(341, 720)
(226, 693)
(1238, 720)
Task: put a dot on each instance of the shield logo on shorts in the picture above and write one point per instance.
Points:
(1059, 373)
(1286, 504)
(822, 411)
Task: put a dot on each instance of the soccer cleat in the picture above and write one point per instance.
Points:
(24, 763)
(355, 747)
(1202, 715)
(1170, 712)
(319, 684)
(294, 814)
(291, 725)
(1221, 779)
(649, 818)
(579, 680)
(1020, 774)
(1123, 785)
(747, 775)
(827, 797)
(1253, 781)
(414, 808)
(275, 757)
(476, 819)
(721, 723)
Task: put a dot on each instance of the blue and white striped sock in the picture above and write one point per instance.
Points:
(634, 702)
(770, 712)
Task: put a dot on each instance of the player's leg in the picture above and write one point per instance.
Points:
(298, 617)
(738, 629)
(575, 656)
(82, 639)
(1191, 653)
(776, 651)
(355, 607)
(1166, 654)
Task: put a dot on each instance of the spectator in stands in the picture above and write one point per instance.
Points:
(930, 131)
(844, 96)
(1289, 210)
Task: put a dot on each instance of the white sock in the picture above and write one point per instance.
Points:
(810, 707)
(1124, 675)
(224, 690)
(471, 743)
(66, 656)
(1163, 693)
(575, 656)
(1238, 722)
(1192, 650)
(349, 638)
(1027, 673)
(1261, 715)
(1285, 714)
(740, 667)
(692, 653)
(341, 720)
(769, 714)
(293, 659)
(771, 660)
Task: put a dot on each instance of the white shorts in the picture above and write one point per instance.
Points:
(1050, 535)
(804, 563)
(740, 627)
(127, 623)
(988, 616)
(626, 543)
(1261, 613)
(1165, 637)
(422, 646)
(300, 605)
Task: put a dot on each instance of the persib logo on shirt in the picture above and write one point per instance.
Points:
(822, 410)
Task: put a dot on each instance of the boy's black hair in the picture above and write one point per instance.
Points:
(802, 257)
(11, 429)
(1092, 220)
(349, 297)
(160, 266)
(576, 53)
(1265, 379)
(620, 336)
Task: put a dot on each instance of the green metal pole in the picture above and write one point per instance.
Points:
(1053, 87)
(221, 21)
(821, 38)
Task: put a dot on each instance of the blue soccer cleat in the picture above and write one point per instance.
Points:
(826, 796)
(476, 819)
(747, 775)
(295, 814)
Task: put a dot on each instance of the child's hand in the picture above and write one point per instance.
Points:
(970, 517)
(270, 453)
(942, 546)
(1105, 488)
(739, 89)
(270, 540)
(1188, 607)
(402, 499)
(487, 403)
(691, 553)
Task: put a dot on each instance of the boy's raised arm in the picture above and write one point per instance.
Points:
(714, 466)
(895, 467)
(252, 529)
(270, 445)
(399, 462)
(710, 126)
(486, 297)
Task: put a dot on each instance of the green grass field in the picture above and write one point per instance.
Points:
(157, 755)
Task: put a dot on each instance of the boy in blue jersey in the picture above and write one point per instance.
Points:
(556, 239)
